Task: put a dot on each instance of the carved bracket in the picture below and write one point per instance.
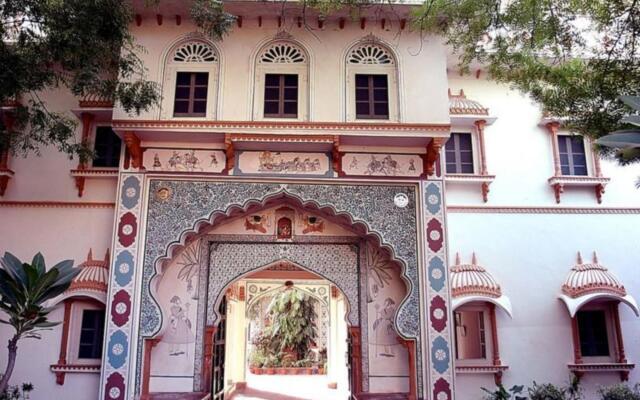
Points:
(230, 153)
(433, 152)
(135, 150)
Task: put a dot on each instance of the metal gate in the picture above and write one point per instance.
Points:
(217, 389)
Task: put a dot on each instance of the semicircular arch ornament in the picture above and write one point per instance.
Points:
(282, 53)
(195, 52)
(370, 54)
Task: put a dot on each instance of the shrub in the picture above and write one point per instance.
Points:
(547, 391)
(17, 393)
(620, 392)
(503, 394)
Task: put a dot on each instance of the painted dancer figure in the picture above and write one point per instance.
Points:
(179, 332)
(383, 327)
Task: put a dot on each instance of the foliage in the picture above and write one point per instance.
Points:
(547, 391)
(620, 392)
(293, 322)
(626, 141)
(81, 46)
(574, 57)
(17, 393)
(24, 288)
(501, 393)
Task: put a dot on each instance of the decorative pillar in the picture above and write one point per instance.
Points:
(149, 344)
(118, 362)
(577, 353)
(622, 358)
(438, 362)
(410, 345)
(483, 158)
(64, 344)
(134, 149)
(494, 342)
(553, 130)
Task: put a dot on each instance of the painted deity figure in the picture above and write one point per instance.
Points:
(179, 333)
(383, 327)
(156, 162)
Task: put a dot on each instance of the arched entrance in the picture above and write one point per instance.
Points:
(279, 231)
(260, 315)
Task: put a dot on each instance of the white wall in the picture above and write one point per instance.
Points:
(422, 68)
(519, 154)
(530, 256)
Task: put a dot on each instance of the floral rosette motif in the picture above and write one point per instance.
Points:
(438, 313)
(436, 273)
(440, 356)
(118, 348)
(114, 389)
(130, 192)
(435, 235)
(124, 268)
(434, 199)
(121, 308)
(127, 229)
(441, 390)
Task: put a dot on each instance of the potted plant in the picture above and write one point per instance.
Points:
(620, 392)
(269, 365)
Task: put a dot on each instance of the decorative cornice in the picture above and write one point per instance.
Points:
(56, 204)
(480, 369)
(578, 180)
(95, 172)
(70, 368)
(229, 126)
(601, 367)
(460, 209)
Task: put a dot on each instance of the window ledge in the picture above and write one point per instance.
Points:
(469, 179)
(495, 370)
(80, 175)
(6, 172)
(622, 368)
(5, 175)
(558, 183)
(61, 369)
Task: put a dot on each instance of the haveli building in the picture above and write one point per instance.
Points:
(453, 236)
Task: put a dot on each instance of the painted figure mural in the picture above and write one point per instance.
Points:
(385, 335)
(180, 328)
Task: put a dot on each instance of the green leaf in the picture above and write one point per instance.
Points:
(38, 263)
(13, 266)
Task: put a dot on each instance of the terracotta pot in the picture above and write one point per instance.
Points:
(259, 371)
(252, 370)
(308, 370)
(281, 371)
(270, 371)
(320, 371)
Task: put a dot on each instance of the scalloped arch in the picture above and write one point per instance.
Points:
(200, 226)
(194, 51)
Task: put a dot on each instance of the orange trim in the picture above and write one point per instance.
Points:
(622, 358)
(362, 126)
(411, 348)
(62, 358)
(494, 335)
(135, 151)
(149, 344)
(356, 359)
(542, 210)
(552, 127)
(56, 204)
(209, 338)
(577, 353)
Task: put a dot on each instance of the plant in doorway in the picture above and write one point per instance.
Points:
(293, 323)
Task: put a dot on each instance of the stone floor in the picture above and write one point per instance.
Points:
(289, 387)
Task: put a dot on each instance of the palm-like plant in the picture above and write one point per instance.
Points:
(293, 319)
(24, 288)
(627, 141)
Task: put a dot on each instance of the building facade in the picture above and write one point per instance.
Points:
(453, 236)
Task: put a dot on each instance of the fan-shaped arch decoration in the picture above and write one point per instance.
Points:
(370, 54)
(282, 53)
(193, 52)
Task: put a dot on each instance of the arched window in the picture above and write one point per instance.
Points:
(281, 82)
(372, 83)
(190, 80)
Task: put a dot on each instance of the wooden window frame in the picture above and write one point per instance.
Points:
(281, 97)
(568, 139)
(456, 151)
(612, 333)
(371, 102)
(490, 335)
(191, 99)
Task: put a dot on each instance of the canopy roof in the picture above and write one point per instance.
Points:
(592, 281)
(459, 104)
(471, 282)
(91, 282)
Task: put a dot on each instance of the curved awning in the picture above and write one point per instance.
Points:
(463, 110)
(589, 282)
(471, 282)
(91, 282)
